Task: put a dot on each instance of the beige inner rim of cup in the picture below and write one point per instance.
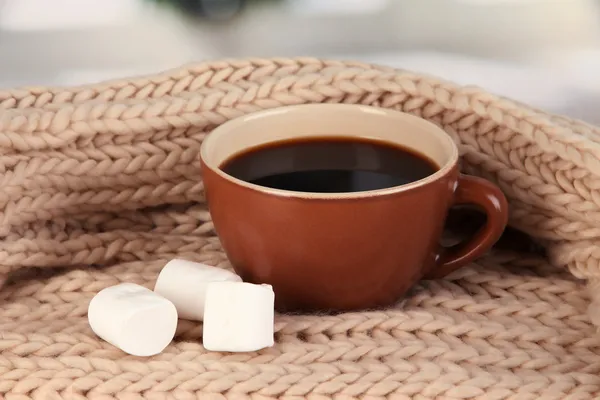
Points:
(313, 120)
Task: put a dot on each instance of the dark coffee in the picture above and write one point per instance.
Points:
(329, 165)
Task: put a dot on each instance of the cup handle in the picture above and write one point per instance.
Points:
(490, 199)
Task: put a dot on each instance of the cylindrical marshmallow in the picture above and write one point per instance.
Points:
(133, 318)
(184, 283)
(238, 316)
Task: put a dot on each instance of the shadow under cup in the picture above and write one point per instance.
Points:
(343, 251)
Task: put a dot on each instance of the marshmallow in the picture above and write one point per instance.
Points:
(238, 317)
(133, 318)
(184, 283)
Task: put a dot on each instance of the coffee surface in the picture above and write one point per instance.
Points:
(329, 165)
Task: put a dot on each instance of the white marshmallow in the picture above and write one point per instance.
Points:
(184, 283)
(133, 318)
(238, 317)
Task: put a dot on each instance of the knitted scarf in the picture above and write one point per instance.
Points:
(100, 185)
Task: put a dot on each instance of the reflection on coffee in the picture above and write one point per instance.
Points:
(329, 165)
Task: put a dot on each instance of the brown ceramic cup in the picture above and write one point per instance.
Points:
(343, 251)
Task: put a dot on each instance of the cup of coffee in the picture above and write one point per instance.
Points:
(341, 207)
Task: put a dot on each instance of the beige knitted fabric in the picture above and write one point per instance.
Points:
(100, 185)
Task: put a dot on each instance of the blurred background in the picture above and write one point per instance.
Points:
(542, 52)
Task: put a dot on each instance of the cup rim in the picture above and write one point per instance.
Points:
(237, 122)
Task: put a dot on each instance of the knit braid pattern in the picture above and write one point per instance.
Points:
(101, 185)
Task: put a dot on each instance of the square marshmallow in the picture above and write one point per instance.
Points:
(238, 317)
